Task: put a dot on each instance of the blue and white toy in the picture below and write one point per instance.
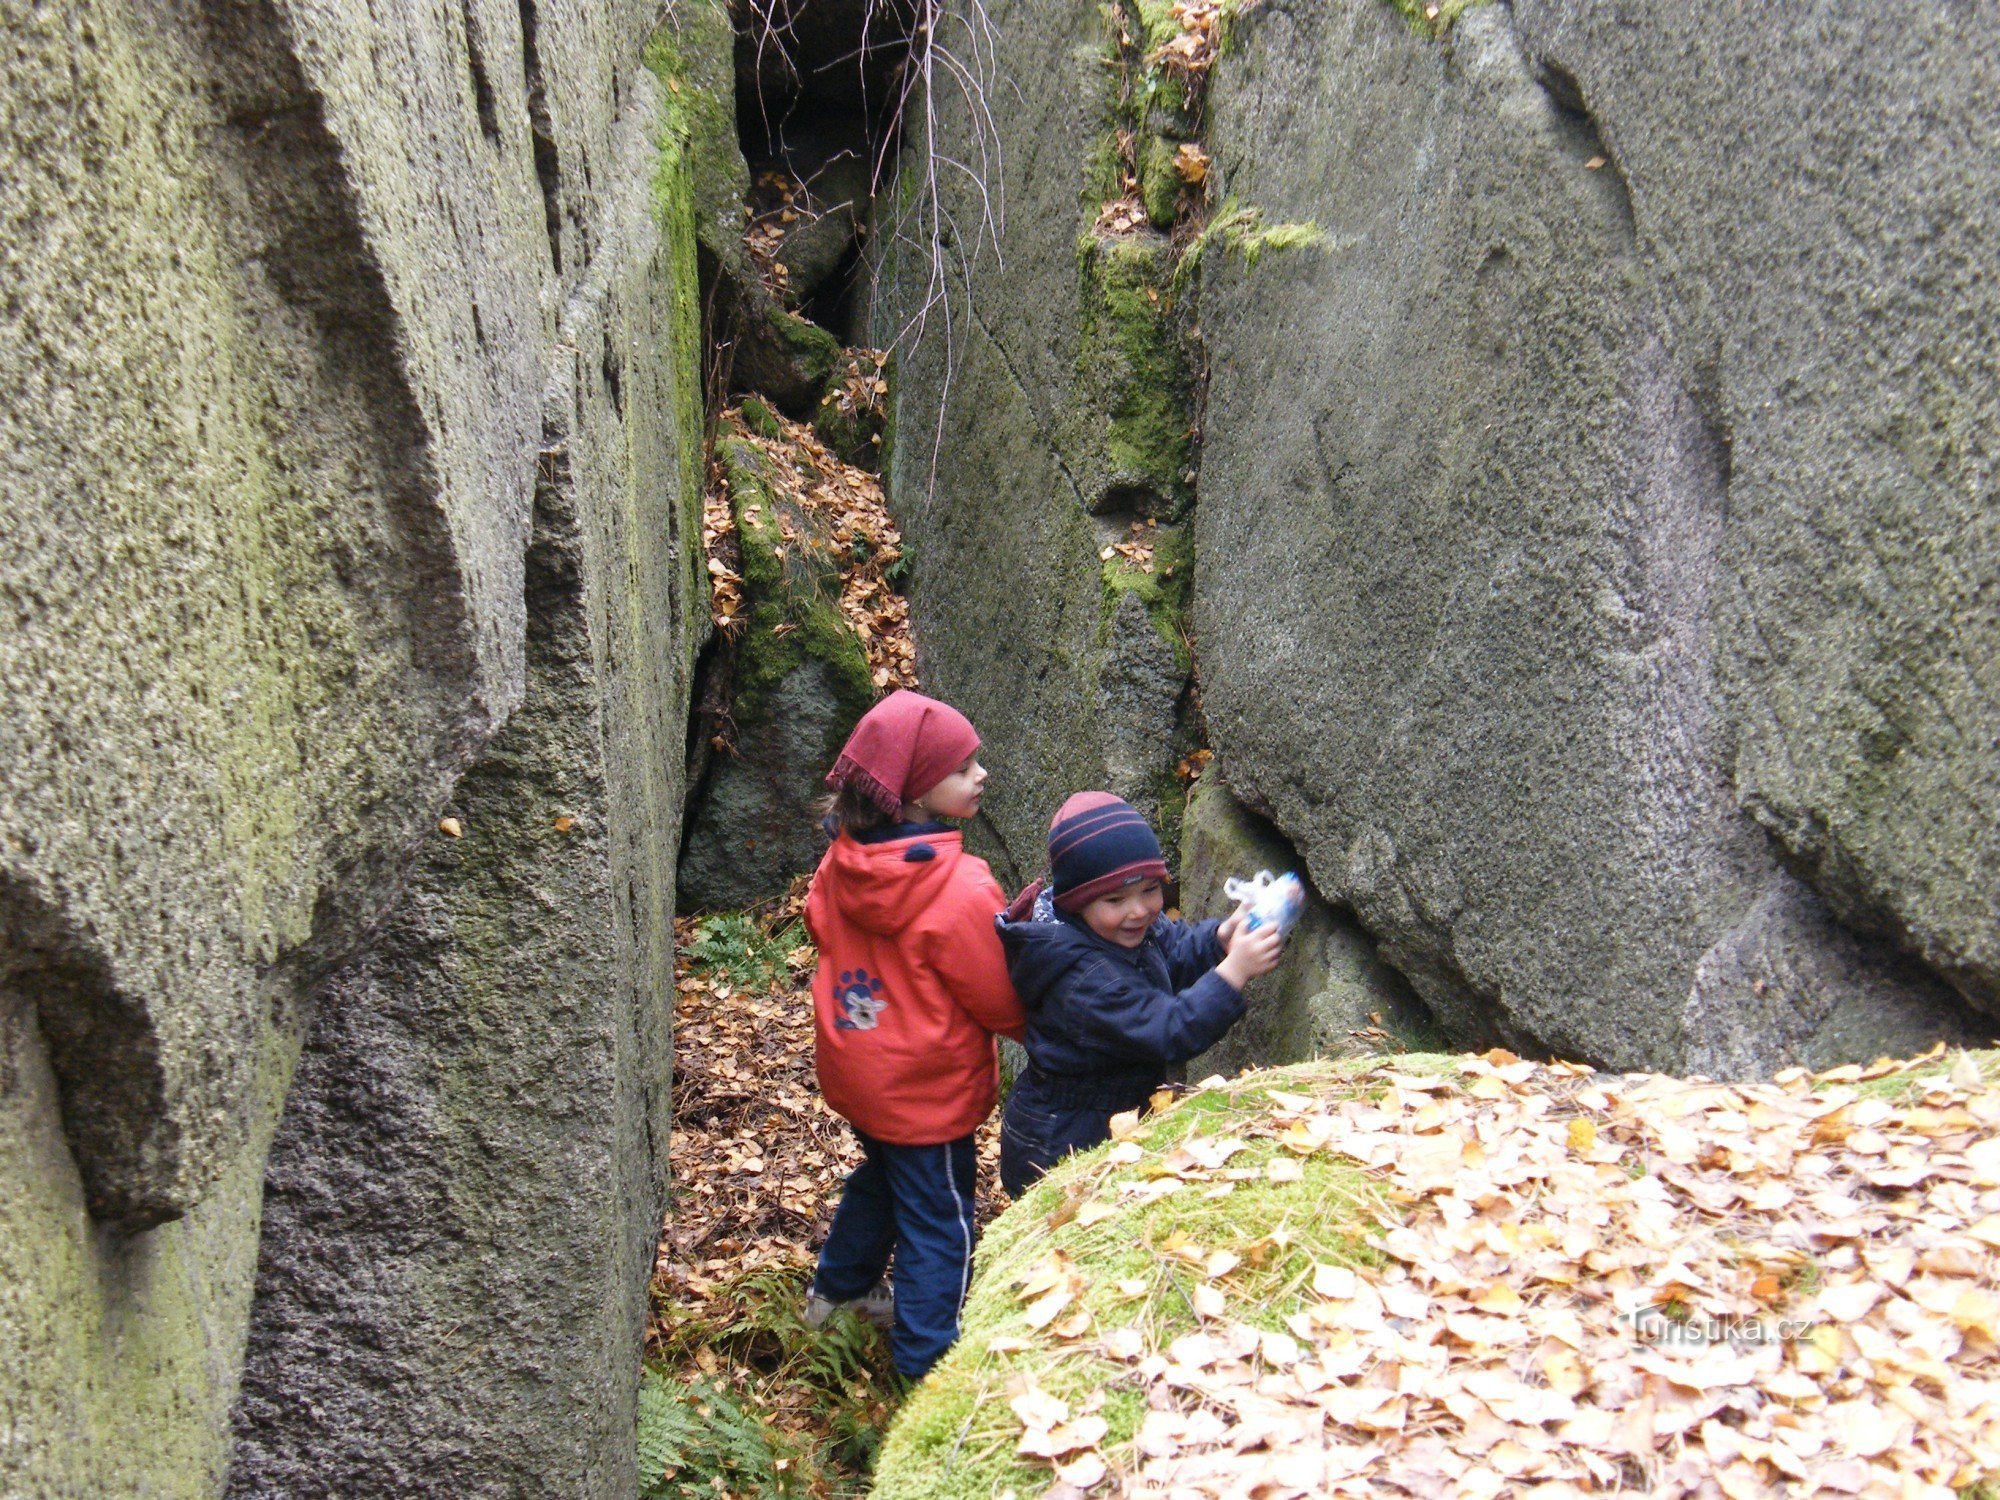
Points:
(1275, 900)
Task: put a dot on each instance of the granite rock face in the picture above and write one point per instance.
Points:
(1594, 538)
(1479, 445)
(1812, 216)
(1073, 669)
(465, 1192)
(1331, 993)
(295, 302)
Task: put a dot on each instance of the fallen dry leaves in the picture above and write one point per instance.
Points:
(756, 1158)
(1136, 548)
(1585, 1284)
(852, 529)
(1197, 40)
(860, 387)
(778, 201)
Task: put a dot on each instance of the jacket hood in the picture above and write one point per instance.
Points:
(880, 887)
(1042, 945)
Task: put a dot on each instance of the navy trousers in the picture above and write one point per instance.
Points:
(1045, 1119)
(914, 1203)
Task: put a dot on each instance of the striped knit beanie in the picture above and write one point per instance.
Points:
(1097, 844)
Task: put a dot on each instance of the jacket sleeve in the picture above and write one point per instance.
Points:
(1112, 1004)
(969, 962)
(1191, 949)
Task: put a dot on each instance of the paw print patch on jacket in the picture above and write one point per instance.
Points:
(860, 997)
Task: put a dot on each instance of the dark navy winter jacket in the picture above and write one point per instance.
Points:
(1120, 1015)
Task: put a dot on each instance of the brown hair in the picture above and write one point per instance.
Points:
(853, 811)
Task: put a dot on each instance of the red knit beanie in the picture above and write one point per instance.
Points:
(1098, 843)
(903, 746)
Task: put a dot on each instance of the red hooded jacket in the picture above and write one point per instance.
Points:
(911, 988)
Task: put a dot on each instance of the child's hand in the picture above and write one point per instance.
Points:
(1251, 953)
(1226, 933)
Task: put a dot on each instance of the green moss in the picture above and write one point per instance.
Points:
(1237, 230)
(955, 1437)
(853, 432)
(1419, 14)
(683, 140)
(1157, 25)
(815, 350)
(1906, 1086)
(1135, 362)
(1170, 795)
(760, 419)
(1160, 183)
(791, 590)
(693, 56)
(1164, 592)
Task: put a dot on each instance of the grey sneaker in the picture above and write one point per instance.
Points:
(878, 1306)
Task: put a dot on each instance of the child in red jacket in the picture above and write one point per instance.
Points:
(911, 989)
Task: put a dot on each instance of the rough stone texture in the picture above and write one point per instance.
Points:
(998, 497)
(465, 1194)
(797, 680)
(695, 46)
(832, 207)
(1790, 982)
(1330, 994)
(778, 353)
(1595, 554)
(1467, 447)
(1817, 221)
(284, 284)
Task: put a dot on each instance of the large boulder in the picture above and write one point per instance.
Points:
(1588, 535)
(290, 287)
(1807, 216)
(1486, 465)
(1331, 993)
(1031, 424)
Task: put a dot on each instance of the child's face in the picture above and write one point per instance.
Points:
(957, 796)
(1124, 916)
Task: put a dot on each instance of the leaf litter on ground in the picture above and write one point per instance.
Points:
(861, 540)
(1546, 1279)
(757, 1161)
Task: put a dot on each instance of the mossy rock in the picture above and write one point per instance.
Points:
(955, 1437)
(1165, 591)
(851, 424)
(1160, 183)
(1135, 367)
(799, 680)
(760, 419)
(791, 588)
(784, 357)
(693, 55)
(1331, 994)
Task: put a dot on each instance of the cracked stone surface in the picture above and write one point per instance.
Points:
(291, 289)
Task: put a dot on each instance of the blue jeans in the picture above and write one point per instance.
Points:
(915, 1203)
(1045, 1119)
(1034, 1137)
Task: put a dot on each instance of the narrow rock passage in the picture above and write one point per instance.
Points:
(757, 1161)
(757, 1158)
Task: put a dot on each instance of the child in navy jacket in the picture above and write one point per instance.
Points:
(1114, 992)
